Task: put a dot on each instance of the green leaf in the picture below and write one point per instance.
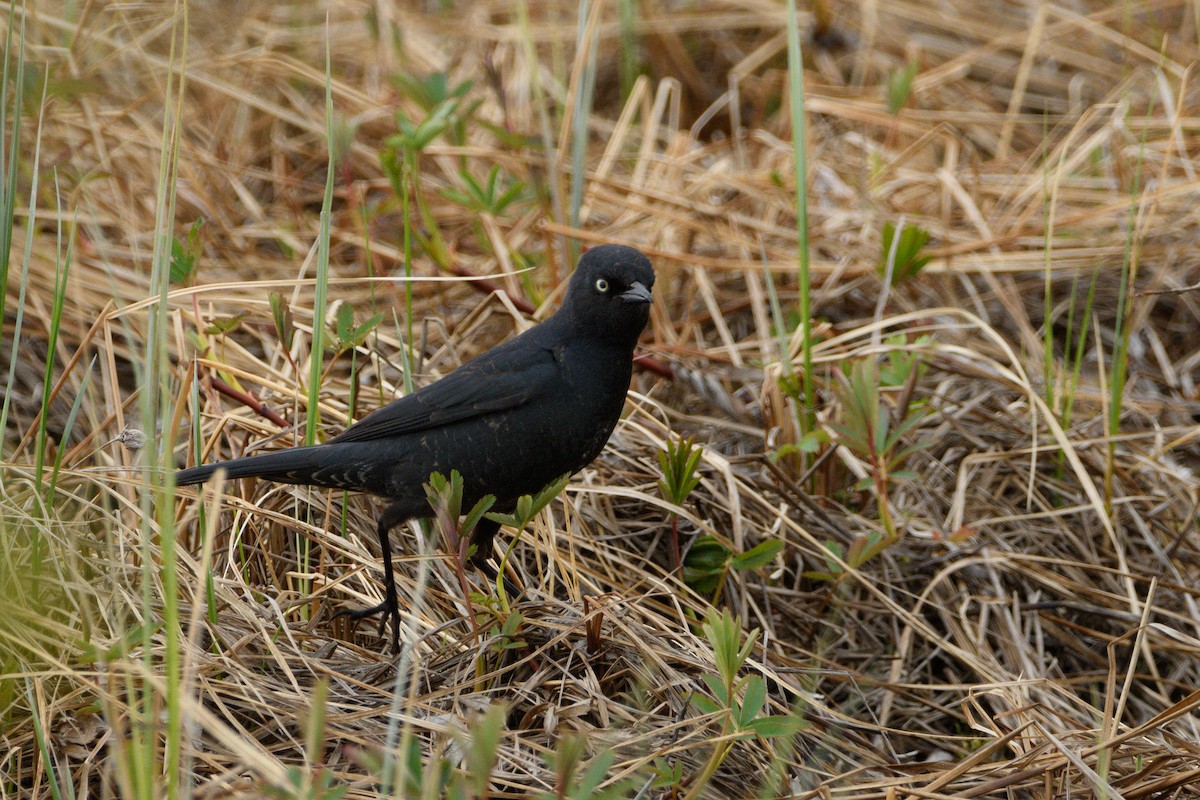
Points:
(747, 646)
(753, 702)
(723, 633)
(482, 744)
(776, 726)
(705, 564)
(285, 328)
(347, 335)
(705, 705)
(864, 548)
(666, 774)
(220, 327)
(811, 442)
(883, 438)
(833, 568)
(477, 511)
(899, 86)
(344, 324)
(185, 255)
(529, 506)
(707, 555)
(360, 333)
(760, 555)
(906, 260)
(594, 775)
(718, 689)
(679, 462)
(512, 623)
(817, 575)
(835, 549)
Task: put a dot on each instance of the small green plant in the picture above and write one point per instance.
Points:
(796, 385)
(185, 254)
(867, 430)
(347, 338)
(902, 258)
(442, 103)
(901, 365)
(429, 769)
(401, 161)
(709, 562)
(346, 334)
(810, 443)
(530, 505)
(737, 701)
(679, 462)
(312, 781)
(491, 196)
(579, 779)
(805, 408)
(1061, 384)
(488, 198)
(482, 743)
(506, 634)
(285, 325)
(446, 113)
(61, 273)
(630, 63)
(667, 773)
(445, 498)
(405, 771)
(861, 550)
(223, 325)
(899, 87)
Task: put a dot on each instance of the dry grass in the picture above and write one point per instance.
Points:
(1034, 630)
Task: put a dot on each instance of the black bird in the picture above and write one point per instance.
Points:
(510, 421)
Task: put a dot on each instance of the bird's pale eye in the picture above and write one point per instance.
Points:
(601, 285)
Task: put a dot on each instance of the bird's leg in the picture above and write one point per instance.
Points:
(392, 516)
(481, 539)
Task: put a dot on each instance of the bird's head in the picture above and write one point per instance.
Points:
(609, 293)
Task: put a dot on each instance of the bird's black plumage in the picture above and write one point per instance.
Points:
(510, 421)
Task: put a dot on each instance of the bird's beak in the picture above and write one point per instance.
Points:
(636, 293)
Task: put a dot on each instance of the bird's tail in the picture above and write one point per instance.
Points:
(294, 465)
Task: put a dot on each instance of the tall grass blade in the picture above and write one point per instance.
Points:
(61, 273)
(581, 114)
(799, 150)
(158, 486)
(8, 166)
(8, 211)
(1123, 318)
(321, 294)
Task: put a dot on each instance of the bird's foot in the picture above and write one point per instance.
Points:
(387, 610)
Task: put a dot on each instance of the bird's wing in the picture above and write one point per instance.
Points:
(500, 380)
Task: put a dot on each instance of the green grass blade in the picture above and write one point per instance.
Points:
(799, 148)
(8, 167)
(61, 273)
(8, 211)
(321, 295)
